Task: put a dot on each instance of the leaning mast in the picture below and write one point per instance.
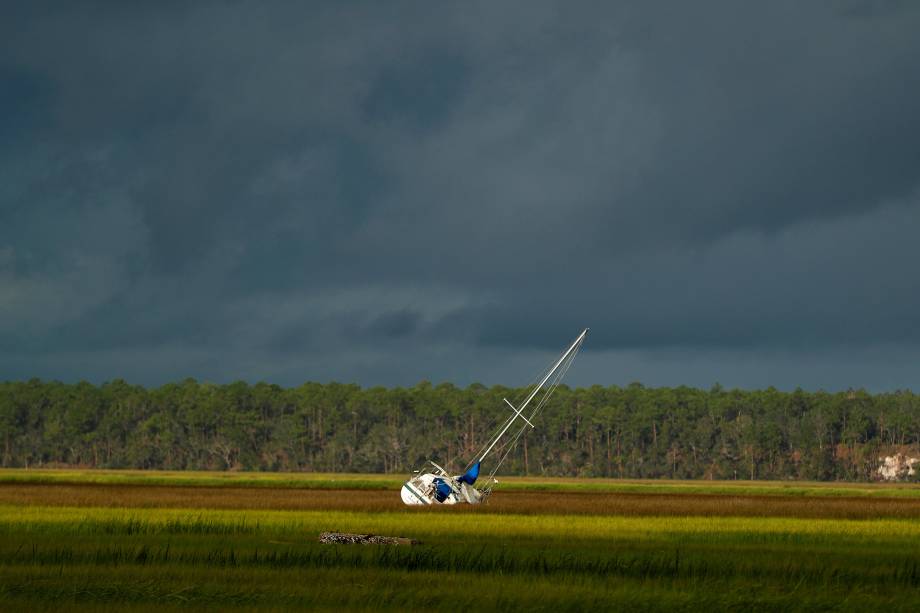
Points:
(441, 488)
(519, 412)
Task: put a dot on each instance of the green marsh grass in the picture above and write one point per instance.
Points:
(88, 556)
(141, 556)
(435, 523)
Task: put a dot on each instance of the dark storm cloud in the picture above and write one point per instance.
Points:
(841, 284)
(383, 193)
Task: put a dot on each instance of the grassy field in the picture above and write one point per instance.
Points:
(73, 540)
(512, 484)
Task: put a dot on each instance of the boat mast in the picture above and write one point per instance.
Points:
(533, 393)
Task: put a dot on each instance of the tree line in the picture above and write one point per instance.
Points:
(632, 431)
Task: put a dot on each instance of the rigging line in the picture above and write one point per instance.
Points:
(495, 432)
(508, 448)
(511, 446)
(529, 387)
(494, 429)
(556, 382)
(552, 387)
(542, 374)
(547, 397)
(563, 370)
(561, 365)
(489, 441)
(502, 446)
(512, 443)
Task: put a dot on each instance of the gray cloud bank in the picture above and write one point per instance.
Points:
(383, 193)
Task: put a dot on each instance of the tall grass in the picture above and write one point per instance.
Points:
(439, 523)
(69, 557)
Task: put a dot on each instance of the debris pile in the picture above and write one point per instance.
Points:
(898, 467)
(344, 538)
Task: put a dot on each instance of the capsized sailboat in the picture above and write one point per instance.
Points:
(440, 487)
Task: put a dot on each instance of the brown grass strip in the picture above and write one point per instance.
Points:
(135, 496)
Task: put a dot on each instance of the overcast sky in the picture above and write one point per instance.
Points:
(387, 192)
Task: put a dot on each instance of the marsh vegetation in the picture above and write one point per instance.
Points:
(84, 545)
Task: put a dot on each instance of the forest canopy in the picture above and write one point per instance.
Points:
(632, 431)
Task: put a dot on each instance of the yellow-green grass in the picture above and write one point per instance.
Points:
(202, 478)
(90, 558)
(435, 523)
(393, 482)
(143, 556)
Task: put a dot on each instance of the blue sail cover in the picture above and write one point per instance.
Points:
(442, 490)
(471, 475)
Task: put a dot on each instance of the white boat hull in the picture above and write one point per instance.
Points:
(428, 489)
